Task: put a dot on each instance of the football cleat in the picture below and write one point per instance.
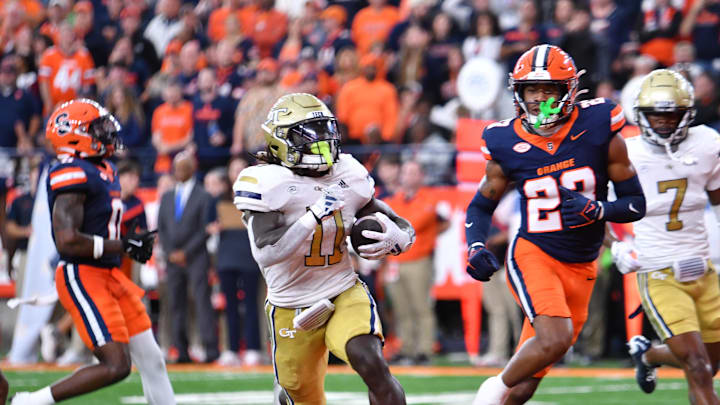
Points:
(645, 375)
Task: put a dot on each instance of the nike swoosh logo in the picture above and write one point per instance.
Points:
(468, 225)
(576, 136)
(135, 243)
(631, 208)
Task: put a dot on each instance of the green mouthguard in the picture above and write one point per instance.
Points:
(546, 111)
(322, 148)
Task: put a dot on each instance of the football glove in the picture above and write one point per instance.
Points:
(392, 240)
(139, 246)
(578, 210)
(332, 199)
(625, 257)
(481, 262)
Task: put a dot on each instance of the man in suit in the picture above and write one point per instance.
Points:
(182, 220)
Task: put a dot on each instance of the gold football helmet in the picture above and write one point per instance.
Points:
(301, 133)
(665, 93)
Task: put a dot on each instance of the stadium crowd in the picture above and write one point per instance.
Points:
(197, 78)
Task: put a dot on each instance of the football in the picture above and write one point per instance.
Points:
(370, 223)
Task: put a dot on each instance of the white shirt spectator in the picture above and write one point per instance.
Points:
(161, 30)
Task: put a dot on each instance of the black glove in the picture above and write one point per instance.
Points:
(139, 246)
(481, 263)
(578, 210)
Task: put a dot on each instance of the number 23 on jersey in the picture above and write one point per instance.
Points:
(543, 197)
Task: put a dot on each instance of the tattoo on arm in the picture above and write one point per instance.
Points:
(494, 183)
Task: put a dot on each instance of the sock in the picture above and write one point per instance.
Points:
(492, 392)
(42, 397)
(148, 358)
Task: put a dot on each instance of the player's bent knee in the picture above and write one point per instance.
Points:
(118, 372)
(365, 355)
(556, 344)
(698, 368)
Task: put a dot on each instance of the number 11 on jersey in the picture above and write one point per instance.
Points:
(316, 258)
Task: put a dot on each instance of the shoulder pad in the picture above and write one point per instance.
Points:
(355, 175)
(254, 188)
(69, 175)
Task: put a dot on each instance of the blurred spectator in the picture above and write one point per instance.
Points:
(605, 89)
(437, 70)
(368, 105)
(216, 21)
(66, 71)
(702, 23)
(123, 104)
(89, 33)
(410, 276)
(611, 24)
(524, 36)
(707, 101)
(128, 172)
(165, 25)
(641, 66)
(346, 66)
(578, 42)
(20, 120)
(231, 74)
(172, 126)
(685, 63)
(144, 50)
(657, 29)
(109, 22)
(337, 36)
(267, 27)
(190, 61)
(373, 25)
(431, 149)
(484, 40)
(182, 220)
(18, 227)
(14, 19)
(418, 15)
(253, 109)
(57, 11)
(138, 72)
(213, 117)
(387, 175)
(239, 275)
(192, 28)
(288, 50)
(152, 97)
(410, 69)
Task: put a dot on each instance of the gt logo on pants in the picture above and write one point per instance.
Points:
(285, 332)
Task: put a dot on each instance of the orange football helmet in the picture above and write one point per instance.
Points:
(545, 64)
(83, 128)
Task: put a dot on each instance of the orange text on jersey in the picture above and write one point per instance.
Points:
(556, 166)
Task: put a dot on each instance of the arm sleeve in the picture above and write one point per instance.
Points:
(478, 219)
(287, 245)
(630, 203)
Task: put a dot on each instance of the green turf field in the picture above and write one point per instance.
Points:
(256, 388)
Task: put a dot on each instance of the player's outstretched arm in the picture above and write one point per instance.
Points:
(481, 263)
(275, 240)
(67, 218)
(630, 203)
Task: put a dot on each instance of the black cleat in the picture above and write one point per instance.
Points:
(645, 375)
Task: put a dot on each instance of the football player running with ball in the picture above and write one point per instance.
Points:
(560, 155)
(679, 171)
(299, 206)
(86, 210)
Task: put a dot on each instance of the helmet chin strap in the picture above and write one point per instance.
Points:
(323, 148)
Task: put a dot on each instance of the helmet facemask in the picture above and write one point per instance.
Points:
(312, 144)
(104, 129)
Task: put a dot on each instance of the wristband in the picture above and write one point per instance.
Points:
(98, 246)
